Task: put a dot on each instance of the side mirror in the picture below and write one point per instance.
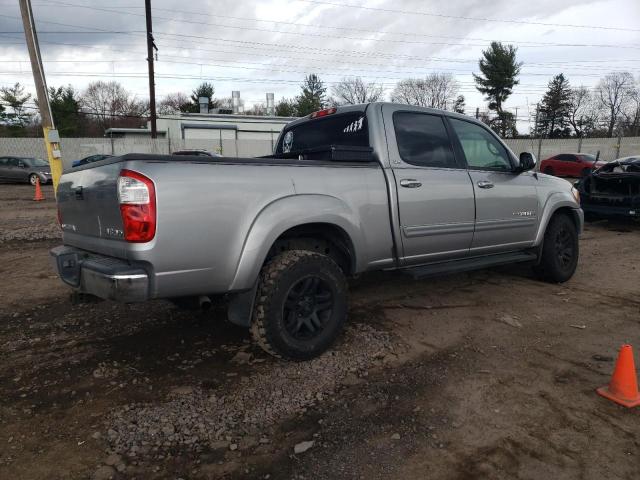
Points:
(527, 162)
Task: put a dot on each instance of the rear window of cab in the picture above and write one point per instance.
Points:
(346, 129)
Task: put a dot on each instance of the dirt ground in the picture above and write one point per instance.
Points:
(490, 374)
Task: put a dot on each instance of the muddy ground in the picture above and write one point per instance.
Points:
(489, 374)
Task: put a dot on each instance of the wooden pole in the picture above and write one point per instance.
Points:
(51, 137)
(152, 82)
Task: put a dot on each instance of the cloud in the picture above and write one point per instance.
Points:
(259, 46)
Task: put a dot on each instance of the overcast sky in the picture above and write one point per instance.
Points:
(268, 46)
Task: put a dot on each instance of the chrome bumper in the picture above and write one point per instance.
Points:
(105, 277)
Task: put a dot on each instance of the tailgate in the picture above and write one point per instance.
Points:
(89, 207)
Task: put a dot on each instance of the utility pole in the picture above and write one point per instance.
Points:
(540, 139)
(152, 83)
(51, 137)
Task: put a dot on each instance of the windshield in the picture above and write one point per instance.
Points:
(348, 129)
(35, 162)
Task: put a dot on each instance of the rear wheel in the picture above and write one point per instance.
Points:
(548, 170)
(301, 305)
(560, 250)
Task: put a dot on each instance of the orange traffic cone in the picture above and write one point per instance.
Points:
(623, 388)
(38, 196)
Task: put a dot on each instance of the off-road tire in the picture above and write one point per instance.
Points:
(277, 279)
(560, 250)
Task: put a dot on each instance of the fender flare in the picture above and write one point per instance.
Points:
(554, 202)
(283, 214)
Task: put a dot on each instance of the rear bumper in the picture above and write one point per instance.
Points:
(105, 277)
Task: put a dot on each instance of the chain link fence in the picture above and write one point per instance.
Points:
(76, 148)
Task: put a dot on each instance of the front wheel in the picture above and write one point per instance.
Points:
(33, 179)
(560, 250)
(301, 305)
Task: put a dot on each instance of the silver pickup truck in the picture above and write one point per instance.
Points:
(349, 190)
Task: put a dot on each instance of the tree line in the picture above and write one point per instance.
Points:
(611, 108)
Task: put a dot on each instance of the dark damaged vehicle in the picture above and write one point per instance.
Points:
(613, 189)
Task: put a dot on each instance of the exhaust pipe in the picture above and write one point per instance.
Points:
(204, 302)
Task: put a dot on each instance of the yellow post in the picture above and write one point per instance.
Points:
(52, 142)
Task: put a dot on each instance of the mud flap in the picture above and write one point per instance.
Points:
(240, 309)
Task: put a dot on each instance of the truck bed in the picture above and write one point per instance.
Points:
(207, 211)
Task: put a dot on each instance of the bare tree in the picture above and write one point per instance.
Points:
(437, 90)
(109, 100)
(632, 112)
(353, 90)
(585, 111)
(259, 109)
(614, 92)
(173, 103)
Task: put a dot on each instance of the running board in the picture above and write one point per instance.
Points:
(466, 264)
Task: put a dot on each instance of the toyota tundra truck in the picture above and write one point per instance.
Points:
(347, 190)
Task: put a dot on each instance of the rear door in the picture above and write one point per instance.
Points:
(434, 192)
(506, 201)
(567, 165)
(15, 171)
(4, 167)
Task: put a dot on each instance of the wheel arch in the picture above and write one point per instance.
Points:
(559, 203)
(291, 219)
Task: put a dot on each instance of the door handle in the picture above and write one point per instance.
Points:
(410, 183)
(485, 184)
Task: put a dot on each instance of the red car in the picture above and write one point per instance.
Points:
(570, 164)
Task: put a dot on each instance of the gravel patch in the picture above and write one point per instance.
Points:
(22, 231)
(194, 417)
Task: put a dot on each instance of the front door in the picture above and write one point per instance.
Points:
(506, 200)
(434, 192)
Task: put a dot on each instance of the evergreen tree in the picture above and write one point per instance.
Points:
(554, 112)
(312, 97)
(65, 108)
(459, 104)
(499, 74)
(205, 89)
(16, 98)
(286, 108)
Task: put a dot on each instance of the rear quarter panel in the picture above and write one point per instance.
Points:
(217, 221)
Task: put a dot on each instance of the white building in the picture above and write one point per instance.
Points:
(231, 135)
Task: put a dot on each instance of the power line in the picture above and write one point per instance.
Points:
(309, 34)
(459, 17)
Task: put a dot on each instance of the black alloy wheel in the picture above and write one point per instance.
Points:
(308, 307)
(564, 245)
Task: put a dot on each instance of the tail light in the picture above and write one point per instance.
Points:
(137, 197)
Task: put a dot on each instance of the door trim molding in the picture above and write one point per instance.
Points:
(488, 225)
(438, 229)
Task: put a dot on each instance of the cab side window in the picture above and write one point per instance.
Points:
(481, 149)
(423, 140)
